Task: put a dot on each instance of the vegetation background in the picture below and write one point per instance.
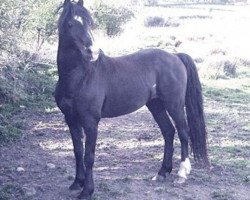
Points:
(214, 32)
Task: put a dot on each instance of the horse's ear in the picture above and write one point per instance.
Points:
(65, 2)
(80, 3)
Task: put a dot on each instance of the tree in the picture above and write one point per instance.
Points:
(43, 21)
(110, 15)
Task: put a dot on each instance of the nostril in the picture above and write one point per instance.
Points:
(89, 51)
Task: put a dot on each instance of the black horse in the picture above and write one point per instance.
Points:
(87, 91)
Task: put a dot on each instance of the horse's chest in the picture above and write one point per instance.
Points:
(66, 105)
(64, 100)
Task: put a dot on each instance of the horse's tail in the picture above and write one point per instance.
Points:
(194, 111)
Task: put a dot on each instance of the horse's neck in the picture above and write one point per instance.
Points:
(72, 69)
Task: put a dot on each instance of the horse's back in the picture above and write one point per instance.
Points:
(133, 80)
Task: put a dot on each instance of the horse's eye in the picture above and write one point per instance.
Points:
(70, 24)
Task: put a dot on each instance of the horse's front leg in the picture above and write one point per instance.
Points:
(90, 129)
(77, 137)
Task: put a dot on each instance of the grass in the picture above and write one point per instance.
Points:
(227, 102)
(12, 192)
(227, 95)
(222, 195)
(9, 130)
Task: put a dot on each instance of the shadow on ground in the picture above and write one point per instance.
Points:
(129, 153)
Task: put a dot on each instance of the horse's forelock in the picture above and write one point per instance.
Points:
(84, 13)
(76, 9)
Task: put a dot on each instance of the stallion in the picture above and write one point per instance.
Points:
(87, 90)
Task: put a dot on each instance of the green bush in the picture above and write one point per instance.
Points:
(158, 21)
(27, 84)
(151, 2)
(24, 27)
(229, 68)
(111, 18)
(155, 21)
(219, 67)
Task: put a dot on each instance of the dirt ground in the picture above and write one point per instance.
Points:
(40, 166)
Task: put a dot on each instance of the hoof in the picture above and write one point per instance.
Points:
(158, 178)
(180, 180)
(84, 197)
(76, 185)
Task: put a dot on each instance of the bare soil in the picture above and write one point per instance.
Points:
(129, 153)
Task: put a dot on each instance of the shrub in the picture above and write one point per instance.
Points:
(229, 68)
(244, 62)
(8, 132)
(154, 21)
(219, 67)
(111, 18)
(151, 2)
(157, 21)
(218, 51)
(22, 80)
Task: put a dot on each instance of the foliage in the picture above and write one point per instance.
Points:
(111, 17)
(219, 67)
(43, 21)
(158, 21)
(162, 2)
(9, 191)
(27, 86)
(8, 131)
(154, 21)
(24, 27)
(11, 18)
(151, 2)
(23, 21)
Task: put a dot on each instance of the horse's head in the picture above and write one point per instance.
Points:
(74, 27)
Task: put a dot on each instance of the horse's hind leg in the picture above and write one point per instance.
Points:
(178, 115)
(77, 137)
(161, 117)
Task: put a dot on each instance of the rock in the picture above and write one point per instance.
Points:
(179, 180)
(20, 169)
(159, 189)
(51, 166)
(29, 191)
(70, 177)
(22, 106)
(144, 136)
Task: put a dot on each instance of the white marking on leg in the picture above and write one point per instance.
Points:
(153, 92)
(185, 168)
(158, 178)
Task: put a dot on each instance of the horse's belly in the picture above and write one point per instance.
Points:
(116, 110)
(126, 104)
